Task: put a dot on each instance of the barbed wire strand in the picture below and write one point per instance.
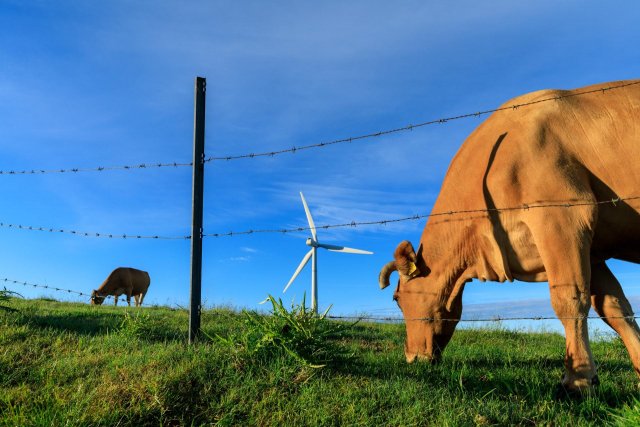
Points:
(94, 169)
(558, 204)
(490, 319)
(292, 150)
(36, 285)
(410, 127)
(363, 317)
(91, 234)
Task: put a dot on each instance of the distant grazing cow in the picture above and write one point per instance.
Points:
(123, 280)
(545, 193)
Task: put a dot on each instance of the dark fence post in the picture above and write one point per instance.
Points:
(197, 197)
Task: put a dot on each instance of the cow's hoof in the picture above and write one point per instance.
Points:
(582, 390)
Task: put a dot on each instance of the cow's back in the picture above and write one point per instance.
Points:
(574, 149)
(139, 279)
(123, 277)
(599, 130)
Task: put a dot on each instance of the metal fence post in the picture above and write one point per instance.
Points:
(197, 205)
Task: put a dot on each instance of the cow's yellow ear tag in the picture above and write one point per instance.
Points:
(413, 270)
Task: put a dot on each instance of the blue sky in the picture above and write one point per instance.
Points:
(88, 84)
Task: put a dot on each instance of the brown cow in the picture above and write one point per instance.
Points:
(575, 154)
(123, 280)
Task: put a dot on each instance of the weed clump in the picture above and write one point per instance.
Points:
(308, 338)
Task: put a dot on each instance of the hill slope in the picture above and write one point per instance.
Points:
(73, 364)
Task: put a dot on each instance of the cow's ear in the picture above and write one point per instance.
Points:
(405, 259)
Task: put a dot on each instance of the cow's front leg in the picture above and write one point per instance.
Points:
(115, 299)
(571, 303)
(565, 252)
(129, 299)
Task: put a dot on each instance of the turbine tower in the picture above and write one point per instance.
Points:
(312, 254)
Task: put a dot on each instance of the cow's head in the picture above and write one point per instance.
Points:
(96, 298)
(429, 315)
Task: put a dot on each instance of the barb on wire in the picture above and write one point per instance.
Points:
(410, 127)
(542, 205)
(91, 234)
(490, 319)
(94, 169)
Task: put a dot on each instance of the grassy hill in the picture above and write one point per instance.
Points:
(74, 364)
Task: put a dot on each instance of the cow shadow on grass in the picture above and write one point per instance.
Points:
(526, 378)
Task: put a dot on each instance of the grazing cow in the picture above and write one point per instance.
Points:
(545, 192)
(123, 280)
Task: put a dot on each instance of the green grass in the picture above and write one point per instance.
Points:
(74, 364)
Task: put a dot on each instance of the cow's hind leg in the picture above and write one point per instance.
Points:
(609, 301)
(565, 254)
(138, 299)
(141, 296)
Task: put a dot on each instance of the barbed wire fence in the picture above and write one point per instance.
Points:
(559, 204)
(482, 211)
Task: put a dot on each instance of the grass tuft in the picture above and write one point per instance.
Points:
(6, 295)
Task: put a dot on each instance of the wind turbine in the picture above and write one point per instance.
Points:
(312, 254)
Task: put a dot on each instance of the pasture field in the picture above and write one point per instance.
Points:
(71, 364)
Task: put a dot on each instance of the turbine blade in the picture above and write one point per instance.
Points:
(304, 262)
(311, 224)
(335, 248)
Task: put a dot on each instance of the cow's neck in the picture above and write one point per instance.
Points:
(456, 255)
(447, 255)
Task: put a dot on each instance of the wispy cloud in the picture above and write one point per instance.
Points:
(342, 205)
